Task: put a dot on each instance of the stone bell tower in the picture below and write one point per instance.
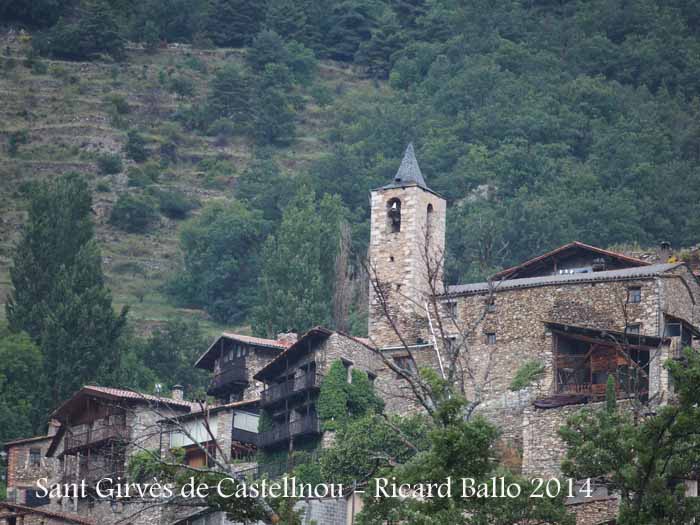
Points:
(407, 244)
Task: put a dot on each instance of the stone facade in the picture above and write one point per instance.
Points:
(401, 260)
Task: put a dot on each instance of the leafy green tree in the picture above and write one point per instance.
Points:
(263, 187)
(170, 352)
(93, 32)
(58, 292)
(642, 458)
(133, 213)
(135, 147)
(220, 260)
(273, 116)
(378, 53)
(229, 96)
(233, 22)
(288, 18)
(20, 386)
(37, 13)
(296, 281)
(350, 23)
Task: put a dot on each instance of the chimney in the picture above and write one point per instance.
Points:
(663, 253)
(178, 393)
(287, 337)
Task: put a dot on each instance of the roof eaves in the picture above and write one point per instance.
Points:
(579, 244)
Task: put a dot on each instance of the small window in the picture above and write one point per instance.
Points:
(451, 309)
(673, 330)
(491, 305)
(490, 338)
(406, 363)
(34, 457)
(348, 368)
(634, 294)
(394, 215)
(634, 329)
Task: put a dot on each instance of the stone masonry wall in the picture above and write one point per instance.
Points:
(521, 335)
(399, 259)
(22, 474)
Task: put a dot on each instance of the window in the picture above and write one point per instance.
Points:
(394, 215)
(406, 363)
(490, 338)
(34, 457)
(429, 221)
(634, 294)
(634, 329)
(490, 305)
(451, 309)
(673, 330)
(348, 368)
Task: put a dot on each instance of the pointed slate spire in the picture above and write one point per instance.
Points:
(409, 172)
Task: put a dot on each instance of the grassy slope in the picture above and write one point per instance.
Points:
(65, 112)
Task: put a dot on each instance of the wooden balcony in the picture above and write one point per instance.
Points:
(228, 378)
(95, 437)
(280, 391)
(282, 432)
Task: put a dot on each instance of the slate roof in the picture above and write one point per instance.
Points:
(63, 516)
(118, 394)
(206, 360)
(545, 280)
(622, 258)
(409, 173)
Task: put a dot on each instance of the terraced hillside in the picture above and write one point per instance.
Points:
(62, 116)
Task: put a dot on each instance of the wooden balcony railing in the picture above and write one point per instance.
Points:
(279, 391)
(95, 436)
(282, 432)
(235, 373)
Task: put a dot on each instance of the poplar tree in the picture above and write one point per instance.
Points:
(58, 292)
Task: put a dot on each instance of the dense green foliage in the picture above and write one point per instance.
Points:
(59, 297)
(220, 265)
(20, 388)
(643, 459)
(341, 401)
(296, 279)
(133, 213)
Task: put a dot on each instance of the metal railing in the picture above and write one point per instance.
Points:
(282, 432)
(279, 391)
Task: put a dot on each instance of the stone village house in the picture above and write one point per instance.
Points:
(581, 312)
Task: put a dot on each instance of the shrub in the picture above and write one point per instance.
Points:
(109, 163)
(168, 153)
(118, 103)
(137, 178)
(135, 147)
(175, 204)
(102, 187)
(15, 139)
(181, 85)
(39, 68)
(222, 127)
(133, 213)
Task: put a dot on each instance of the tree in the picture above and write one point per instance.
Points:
(133, 213)
(289, 19)
(273, 117)
(229, 96)
(135, 147)
(20, 385)
(80, 337)
(641, 455)
(93, 32)
(58, 292)
(57, 227)
(350, 23)
(295, 280)
(170, 352)
(233, 22)
(378, 53)
(263, 187)
(220, 248)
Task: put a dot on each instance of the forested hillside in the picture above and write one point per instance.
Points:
(221, 139)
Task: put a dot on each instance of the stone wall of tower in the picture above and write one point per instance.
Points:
(400, 261)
